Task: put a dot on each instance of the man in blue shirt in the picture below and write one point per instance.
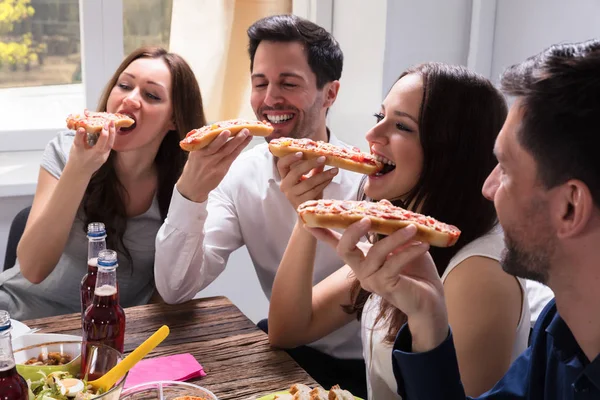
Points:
(546, 190)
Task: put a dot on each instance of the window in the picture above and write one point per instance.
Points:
(39, 43)
(139, 31)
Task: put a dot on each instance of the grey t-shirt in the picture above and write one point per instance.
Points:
(59, 293)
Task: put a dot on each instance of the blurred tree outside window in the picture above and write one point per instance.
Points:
(39, 42)
(146, 23)
(40, 39)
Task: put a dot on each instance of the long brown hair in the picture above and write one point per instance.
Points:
(460, 117)
(104, 197)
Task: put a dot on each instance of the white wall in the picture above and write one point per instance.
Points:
(399, 33)
(524, 28)
(427, 30)
(363, 45)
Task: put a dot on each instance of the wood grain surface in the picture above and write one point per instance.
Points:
(236, 355)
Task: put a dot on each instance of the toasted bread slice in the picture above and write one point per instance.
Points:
(336, 393)
(385, 219)
(335, 156)
(318, 393)
(197, 139)
(299, 387)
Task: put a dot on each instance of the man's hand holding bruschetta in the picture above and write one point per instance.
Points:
(206, 167)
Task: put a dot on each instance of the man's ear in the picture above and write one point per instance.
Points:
(331, 90)
(573, 209)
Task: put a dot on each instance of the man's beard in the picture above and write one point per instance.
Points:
(533, 264)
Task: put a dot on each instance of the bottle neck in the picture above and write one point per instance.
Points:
(7, 359)
(95, 244)
(106, 282)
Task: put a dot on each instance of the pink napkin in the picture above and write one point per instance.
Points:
(179, 367)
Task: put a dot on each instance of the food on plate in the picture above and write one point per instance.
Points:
(197, 139)
(385, 218)
(61, 385)
(336, 393)
(299, 391)
(351, 159)
(93, 122)
(299, 387)
(189, 398)
(51, 358)
(319, 393)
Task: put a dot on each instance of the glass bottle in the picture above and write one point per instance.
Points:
(96, 242)
(12, 385)
(104, 319)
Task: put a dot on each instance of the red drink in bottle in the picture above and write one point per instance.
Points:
(104, 319)
(12, 385)
(96, 242)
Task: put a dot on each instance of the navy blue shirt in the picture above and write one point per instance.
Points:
(553, 367)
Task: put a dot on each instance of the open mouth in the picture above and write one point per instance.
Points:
(129, 128)
(279, 119)
(387, 168)
(388, 165)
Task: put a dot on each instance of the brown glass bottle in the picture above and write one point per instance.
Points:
(96, 242)
(104, 319)
(12, 385)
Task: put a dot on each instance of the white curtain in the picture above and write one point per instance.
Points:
(211, 36)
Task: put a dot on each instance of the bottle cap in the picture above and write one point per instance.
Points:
(107, 258)
(96, 229)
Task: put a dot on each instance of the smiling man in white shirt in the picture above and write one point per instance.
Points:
(224, 200)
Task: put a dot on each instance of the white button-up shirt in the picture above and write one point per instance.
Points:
(247, 208)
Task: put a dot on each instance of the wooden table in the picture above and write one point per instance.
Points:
(236, 355)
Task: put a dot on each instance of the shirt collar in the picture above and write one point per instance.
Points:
(564, 341)
(332, 139)
(567, 348)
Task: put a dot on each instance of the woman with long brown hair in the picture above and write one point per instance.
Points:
(435, 133)
(125, 181)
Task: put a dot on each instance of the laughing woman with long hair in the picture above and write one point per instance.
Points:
(125, 181)
(435, 132)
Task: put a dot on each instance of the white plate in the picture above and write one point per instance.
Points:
(18, 328)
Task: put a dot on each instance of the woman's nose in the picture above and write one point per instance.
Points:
(376, 134)
(132, 100)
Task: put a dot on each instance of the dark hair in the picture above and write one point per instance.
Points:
(104, 197)
(460, 117)
(323, 52)
(559, 90)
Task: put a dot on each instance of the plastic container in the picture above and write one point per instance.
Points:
(166, 390)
